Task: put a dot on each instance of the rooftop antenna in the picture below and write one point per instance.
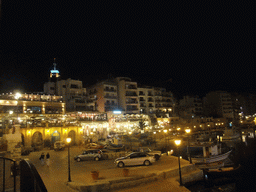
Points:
(54, 64)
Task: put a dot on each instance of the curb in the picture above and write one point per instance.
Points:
(125, 182)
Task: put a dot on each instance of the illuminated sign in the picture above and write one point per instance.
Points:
(117, 112)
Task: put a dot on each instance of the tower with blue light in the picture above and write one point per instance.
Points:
(54, 72)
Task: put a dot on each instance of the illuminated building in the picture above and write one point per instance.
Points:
(72, 90)
(102, 96)
(127, 95)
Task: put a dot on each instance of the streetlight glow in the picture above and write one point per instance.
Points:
(177, 142)
(68, 140)
(187, 130)
(17, 95)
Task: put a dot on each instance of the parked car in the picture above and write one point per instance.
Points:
(94, 146)
(136, 158)
(91, 154)
(157, 154)
(59, 145)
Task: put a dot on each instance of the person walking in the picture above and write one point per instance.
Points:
(48, 159)
(42, 158)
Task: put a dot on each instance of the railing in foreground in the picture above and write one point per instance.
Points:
(30, 179)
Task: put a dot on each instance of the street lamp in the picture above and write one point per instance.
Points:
(188, 131)
(68, 141)
(130, 140)
(178, 142)
(165, 132)
(155, 137)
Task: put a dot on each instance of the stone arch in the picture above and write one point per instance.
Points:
(37, 139)
(72, 135)
(55, 136)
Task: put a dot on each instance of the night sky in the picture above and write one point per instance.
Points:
(189, 48)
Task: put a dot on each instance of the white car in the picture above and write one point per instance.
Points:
(147, 150)
(136, 158)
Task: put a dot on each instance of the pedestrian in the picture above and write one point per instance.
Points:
(48, 159)
(42, 158)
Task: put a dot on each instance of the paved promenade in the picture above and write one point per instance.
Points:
(56, 175)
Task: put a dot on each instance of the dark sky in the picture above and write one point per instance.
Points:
(189, 48)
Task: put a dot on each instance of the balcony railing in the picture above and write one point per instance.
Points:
(131, 102)
(131, 87)
(131, 94)
(110, 97)
(110, 104)
(132, 109)
(110, 90)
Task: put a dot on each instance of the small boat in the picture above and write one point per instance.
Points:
(229, 172)
(208, 152)
(211, 158)
(230, 134)
(208, 166)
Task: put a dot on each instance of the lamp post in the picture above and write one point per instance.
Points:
(68, 141)
(130, 140)
(178, 142)
(189, 153)
(165, 132)
(155, 137)
(17, 96)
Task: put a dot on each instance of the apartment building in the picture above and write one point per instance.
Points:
(190, 106)
(146, 99)
(102, 96)
(127, 95)
(219, 104)
(72, 92)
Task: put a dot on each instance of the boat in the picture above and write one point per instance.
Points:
(211, 158)
(230, 134)
(207, 152)
(208, 166)
(229, 172)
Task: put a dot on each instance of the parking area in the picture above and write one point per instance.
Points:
(56, 174)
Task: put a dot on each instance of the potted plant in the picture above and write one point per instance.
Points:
(126, 172)
(95, 175)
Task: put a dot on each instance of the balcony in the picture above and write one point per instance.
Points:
(131, 102)
(141, 93)
(131, 108)
(110, 97)
(111, 104)
(131, 87)
(129, 94)
(110, 90)
(150, 100)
